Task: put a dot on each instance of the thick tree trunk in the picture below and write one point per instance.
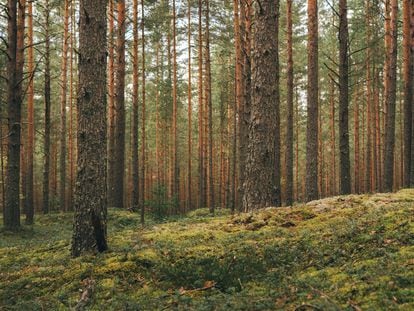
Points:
(259, 185)
(390, 102)
(312, 106)
(89, 229)
(11, 211)
(345, 165)
(119, 164)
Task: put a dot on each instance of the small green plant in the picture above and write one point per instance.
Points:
(160, 206)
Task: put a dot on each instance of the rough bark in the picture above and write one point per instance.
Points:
(345, 166)
(312, 104)
(90, 201)
(11, 211)
(259, 185)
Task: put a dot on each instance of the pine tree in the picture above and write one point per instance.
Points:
(390, 100)
(345, 166)
(312, 104)
(119, 161)
(289, 100)
(259, 185)
(89, 229)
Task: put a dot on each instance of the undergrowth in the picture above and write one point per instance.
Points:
(342, 253)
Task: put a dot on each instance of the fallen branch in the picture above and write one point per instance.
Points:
(86, 294)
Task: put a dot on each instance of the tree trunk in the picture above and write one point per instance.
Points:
(119, 164)
(135, 117)
(89, 229)
(412, 113)
(259, 185)
(11, 211)
(29, 204)
(289, 100)
(333, 139)
(201, 177)
(312, 106)
(391, 100)
(244, 108)
(211, 200)
(46, 151)
(175, 179)
(356, 148)
(71, 144)
(344, 99)
(143, 116)
(408, 85)
(238, 90)
(277, 169)
(369, 176)
(111, 105)
(190, 110)
(62, 194)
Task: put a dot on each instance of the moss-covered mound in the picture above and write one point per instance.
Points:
(342, 253)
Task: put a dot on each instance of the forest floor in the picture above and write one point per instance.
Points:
(344, 253)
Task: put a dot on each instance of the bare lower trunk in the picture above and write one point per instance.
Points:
(259, 185)
(89, 228)
(313, 106)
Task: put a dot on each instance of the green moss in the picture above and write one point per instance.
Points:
(339, 253)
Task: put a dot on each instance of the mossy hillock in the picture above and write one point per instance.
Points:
(342, 253)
